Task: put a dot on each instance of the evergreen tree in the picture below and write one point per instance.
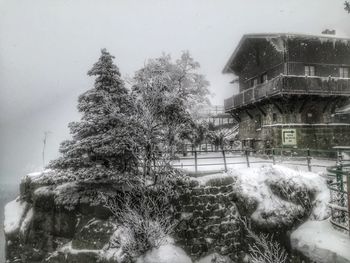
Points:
(102, 143)
(347, 6)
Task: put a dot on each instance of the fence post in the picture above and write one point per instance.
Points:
(273, 157)
(308, 158)
(348, 193)
(247, 158)
(339, 159)
(223, 154)
(195, 161)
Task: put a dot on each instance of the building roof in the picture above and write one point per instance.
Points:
(276, 35)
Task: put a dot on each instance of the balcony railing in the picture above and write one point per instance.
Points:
(290, 84)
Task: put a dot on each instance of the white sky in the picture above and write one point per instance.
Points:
(47, 46)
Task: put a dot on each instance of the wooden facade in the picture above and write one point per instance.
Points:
(291, 81)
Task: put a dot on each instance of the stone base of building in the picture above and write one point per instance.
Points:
(312, 136)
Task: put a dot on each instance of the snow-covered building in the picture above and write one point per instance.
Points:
(216, 115)
(289, 89)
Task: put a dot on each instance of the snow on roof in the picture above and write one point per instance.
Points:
(319, 241)
(14, 212)
(279, 35)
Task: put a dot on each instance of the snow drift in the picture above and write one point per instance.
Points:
(276, 196)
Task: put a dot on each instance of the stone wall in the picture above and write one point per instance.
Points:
(208, 219)
(206, 214)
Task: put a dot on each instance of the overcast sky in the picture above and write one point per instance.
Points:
(47, 46)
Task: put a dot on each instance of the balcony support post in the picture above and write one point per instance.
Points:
(250, 115)
(235, 116)
(260, 109)
(303, 105)
(279, 108)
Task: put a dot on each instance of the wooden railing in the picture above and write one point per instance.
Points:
(283, 84)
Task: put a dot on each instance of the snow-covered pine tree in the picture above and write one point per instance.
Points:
(347, 6)
(102, 144)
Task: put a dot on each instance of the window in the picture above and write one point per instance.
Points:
(274, 117)
(264, 78)
(343, 72)
(253, 82)
(309, 70)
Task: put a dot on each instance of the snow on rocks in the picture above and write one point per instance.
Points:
(26, 221)
(38, 175)
(165, 254)
(277, 196)
(14, 213)
(320, 242)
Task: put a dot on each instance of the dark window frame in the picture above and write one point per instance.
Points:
(343, 72)
(310, 70)
(264, 78)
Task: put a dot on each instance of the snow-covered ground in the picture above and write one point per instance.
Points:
(214, 162)
(165, 254)
(319, 241)
(7, 193)
(14, 212)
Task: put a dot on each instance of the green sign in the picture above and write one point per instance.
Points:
(289, 136)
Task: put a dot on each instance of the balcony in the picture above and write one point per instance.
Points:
(289, 85)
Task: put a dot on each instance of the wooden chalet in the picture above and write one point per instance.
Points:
(290, 86)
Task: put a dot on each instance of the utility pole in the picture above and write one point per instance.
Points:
(46, 134)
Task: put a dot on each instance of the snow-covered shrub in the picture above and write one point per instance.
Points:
(222, 137)
(145, 216)
(263, 248)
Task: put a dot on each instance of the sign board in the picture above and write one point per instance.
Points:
(289, 136)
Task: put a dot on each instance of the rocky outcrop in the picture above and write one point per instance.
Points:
(56, 218)
(67, 222)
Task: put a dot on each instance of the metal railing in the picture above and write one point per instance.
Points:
(339, 185)
(210, 157)
(290, 84)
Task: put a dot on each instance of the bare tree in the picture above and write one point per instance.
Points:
(264, 248)
(145, 217)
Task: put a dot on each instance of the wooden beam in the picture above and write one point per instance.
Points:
(236, 117)
(325, 107)
(250, 115)
(278, 107)
(303, 105)
(260, 109)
